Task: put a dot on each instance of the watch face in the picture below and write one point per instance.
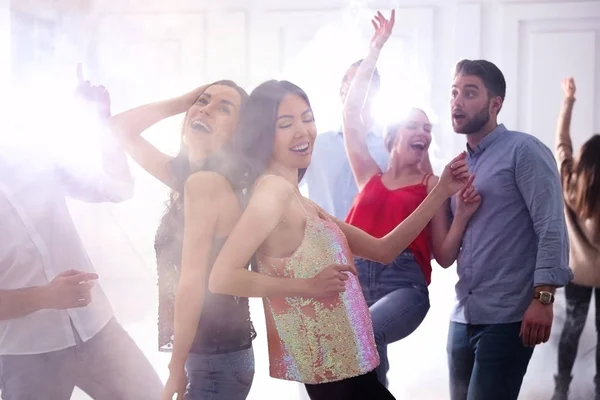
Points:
(546, 297)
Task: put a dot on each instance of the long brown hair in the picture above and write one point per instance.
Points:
(585, 192)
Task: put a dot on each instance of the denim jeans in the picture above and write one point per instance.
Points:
(225, 376)
(486, 362)
(398, 299)
(109, 366)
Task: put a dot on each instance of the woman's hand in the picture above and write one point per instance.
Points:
(568, 86)
(383, 29)
(455, 175)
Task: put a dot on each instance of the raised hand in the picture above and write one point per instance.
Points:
(383, 29)
(455, 175)
(96, 96)
(568, 86)
(330, 281)
(468, 200)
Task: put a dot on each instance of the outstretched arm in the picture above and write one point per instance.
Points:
(129, 125)
(355, 130)
(564, 146)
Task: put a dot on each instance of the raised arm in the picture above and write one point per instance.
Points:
(230, 275)
(203, 194)
(386, 249)
(355, 130)
(115, 183)
(129, 125)
(446, 231)
(564, 146)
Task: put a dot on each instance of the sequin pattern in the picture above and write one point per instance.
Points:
(318, 340)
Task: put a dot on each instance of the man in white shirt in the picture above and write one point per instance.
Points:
(57, 328)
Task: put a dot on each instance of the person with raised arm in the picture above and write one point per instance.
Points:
(397, 292)
(327, 342)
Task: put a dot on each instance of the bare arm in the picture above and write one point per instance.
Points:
(230, 275)
(129, 125)
(564, 146)
(447, 233)
(20, 302)
(355, 130)
(202, 193)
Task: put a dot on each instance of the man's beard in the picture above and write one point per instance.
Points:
(477, 122)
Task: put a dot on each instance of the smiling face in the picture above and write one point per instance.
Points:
(212, 120)
(295, 133)
(412, 138)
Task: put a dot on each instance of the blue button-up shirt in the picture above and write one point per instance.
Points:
(517, 239)
(329, 178)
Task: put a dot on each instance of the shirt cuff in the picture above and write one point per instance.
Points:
(559, 276)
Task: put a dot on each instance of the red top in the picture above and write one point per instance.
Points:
(377, 210)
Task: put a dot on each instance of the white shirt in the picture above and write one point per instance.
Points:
(38, 241)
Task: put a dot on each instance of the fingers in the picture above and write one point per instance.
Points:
(458, 158)
(546, 334)
(346, 268)
(82, 277)
(68, 273)
(393, 17)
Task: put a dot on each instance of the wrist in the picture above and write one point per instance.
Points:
(303, 287)
(570, 99)
(42, 298)
(438, 193)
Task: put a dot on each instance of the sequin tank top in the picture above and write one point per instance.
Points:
(318, 340)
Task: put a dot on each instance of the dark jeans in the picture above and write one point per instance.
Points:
(226, 376)
(109, 366)
(578, 304)
(486, 362)
(360, 387)
(398, 299)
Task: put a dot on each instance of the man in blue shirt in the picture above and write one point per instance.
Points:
(514, 251)
(329, 178)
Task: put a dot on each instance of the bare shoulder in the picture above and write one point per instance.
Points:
(431, 182)
(206, 185)
(270, 188)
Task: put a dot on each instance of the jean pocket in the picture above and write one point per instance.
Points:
(242, 366)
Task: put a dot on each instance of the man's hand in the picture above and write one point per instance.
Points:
(96, 96)
(537, 324)
(71, 289)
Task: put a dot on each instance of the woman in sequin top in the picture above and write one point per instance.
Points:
(325, 342)
(203, 336)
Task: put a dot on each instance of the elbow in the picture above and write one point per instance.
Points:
(444, 262)
(218, 284)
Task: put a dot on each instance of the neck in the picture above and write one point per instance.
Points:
(473, 139)
(289, 174)
(398, 169)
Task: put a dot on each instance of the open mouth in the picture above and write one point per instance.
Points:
(201, 126)
(418, 145)
(300, 148)
(458, 116)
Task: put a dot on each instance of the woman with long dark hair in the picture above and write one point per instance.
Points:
(214, 350)
(324, 342)
(580, 174)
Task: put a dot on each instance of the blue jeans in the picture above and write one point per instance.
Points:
(226, 376)
(486, 361)
(109, 366)
(398, 299)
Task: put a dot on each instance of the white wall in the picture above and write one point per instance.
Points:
(145, 50)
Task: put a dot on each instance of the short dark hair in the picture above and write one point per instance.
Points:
(488, 72)
(375, 78)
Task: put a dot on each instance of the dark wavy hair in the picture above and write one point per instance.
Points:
(585, 196)
(222, 161)
(256, 129)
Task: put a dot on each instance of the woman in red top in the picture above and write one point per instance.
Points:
(397, 293)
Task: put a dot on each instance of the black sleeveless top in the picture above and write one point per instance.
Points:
(224, 325)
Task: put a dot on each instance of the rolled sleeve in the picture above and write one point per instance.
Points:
(539, 183)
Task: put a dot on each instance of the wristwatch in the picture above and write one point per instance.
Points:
(544, 297)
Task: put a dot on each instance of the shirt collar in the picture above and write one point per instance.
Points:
(488, 140)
